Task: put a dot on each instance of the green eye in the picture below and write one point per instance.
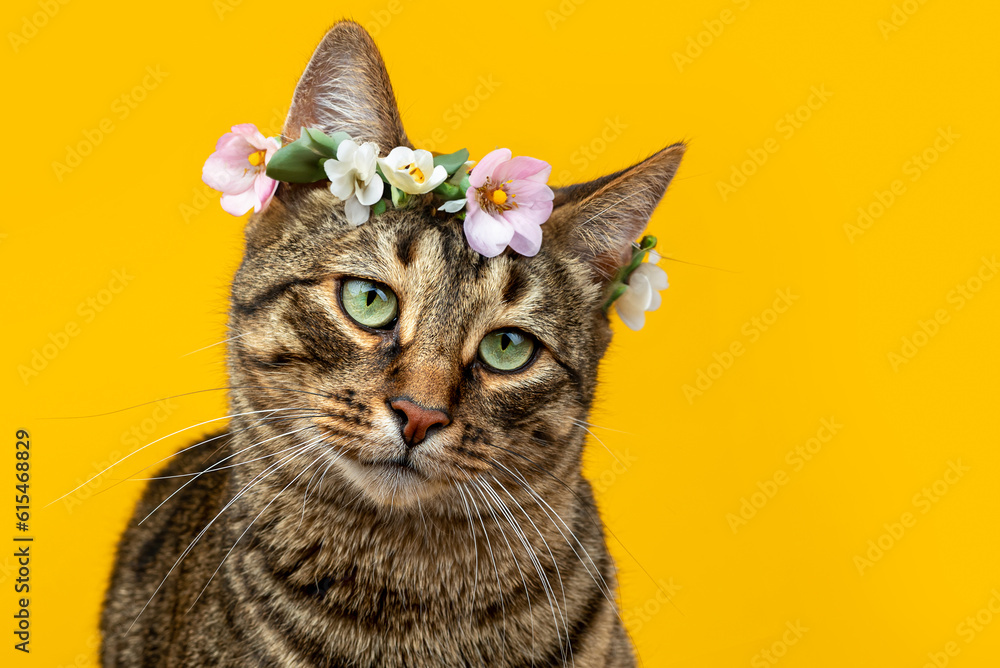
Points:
(506, 349)
(368, 303)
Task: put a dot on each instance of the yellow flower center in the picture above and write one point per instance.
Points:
(256, 158)
(415, 172)
(499, 196)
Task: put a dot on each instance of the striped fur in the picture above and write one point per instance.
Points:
(312, 548)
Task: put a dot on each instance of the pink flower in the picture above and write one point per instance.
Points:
(506, 203)
(236, 169)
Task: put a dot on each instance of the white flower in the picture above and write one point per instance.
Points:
(353, 179)
(456, 178)
(642, 294)
(453, 205)
(411, 171)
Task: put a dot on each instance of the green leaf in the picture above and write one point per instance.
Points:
(448, 191)
(452, 161)
(302, 160)
(399, 198)
(378, 208)
(321, 143)
(295, 163)
(318, 142)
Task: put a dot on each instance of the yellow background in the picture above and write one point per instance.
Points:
(590, 86)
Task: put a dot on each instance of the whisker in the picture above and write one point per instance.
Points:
(489, 549)
(333, 461)
(249, 526)
(256, 424)
(135, 452)
(212, 345)
(519, 533)
(188, 394)
(260, 476)
(517, 564)
(606, 589)
(577, 424)
(597, 426)
(211, 468)
(540, 573)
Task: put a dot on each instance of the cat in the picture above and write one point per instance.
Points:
(382, 496)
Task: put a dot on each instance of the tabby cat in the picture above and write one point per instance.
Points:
(387, 492)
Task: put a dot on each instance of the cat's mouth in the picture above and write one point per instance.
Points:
(396, 465)
(396, 481)
(402, 467)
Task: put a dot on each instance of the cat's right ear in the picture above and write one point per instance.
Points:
(598, 220)
(345, 88)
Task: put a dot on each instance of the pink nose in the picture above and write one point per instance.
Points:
(418, 419)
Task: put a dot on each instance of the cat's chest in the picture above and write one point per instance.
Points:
(370, 576)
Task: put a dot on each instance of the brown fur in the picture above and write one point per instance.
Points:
(485, 548)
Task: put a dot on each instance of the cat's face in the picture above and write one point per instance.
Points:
(300, 312)
(411, 362)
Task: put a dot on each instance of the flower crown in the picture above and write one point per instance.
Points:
(505, 199)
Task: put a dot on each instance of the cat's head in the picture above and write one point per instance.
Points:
(408, 361)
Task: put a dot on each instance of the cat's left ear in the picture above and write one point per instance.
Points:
(345, 88)
(600, 219)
